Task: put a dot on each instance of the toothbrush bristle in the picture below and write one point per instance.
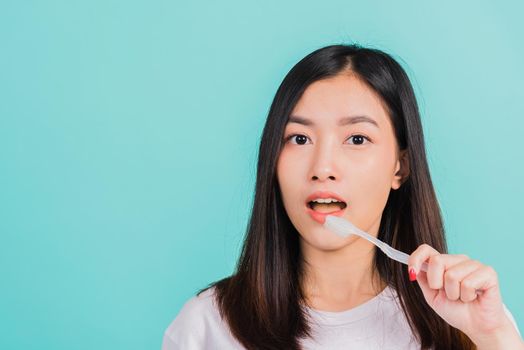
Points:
(340, 226)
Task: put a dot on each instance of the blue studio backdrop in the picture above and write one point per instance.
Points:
(129, 134)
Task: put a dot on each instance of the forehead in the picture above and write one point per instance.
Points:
(327, 101)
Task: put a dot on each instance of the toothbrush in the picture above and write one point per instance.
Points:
(343, 227)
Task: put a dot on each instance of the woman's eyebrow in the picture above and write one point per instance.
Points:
(343, 121)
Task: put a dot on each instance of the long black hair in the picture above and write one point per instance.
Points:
(262, 301)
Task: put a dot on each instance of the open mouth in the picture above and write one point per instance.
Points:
(326, 207)
(321, 204)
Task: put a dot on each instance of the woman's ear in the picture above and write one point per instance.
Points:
(401, 170)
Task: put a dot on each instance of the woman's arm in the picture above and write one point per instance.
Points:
(466, 294)
(505, 338)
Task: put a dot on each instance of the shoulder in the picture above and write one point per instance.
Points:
(197, 325)
(199, 307)
(512, 319)
(391, 295)
(189, 326)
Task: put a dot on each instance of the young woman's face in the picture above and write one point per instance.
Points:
(356, 161)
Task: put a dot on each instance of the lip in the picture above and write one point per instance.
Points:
(321, 217)
(324, 194)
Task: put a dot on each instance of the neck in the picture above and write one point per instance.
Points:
(337, 280)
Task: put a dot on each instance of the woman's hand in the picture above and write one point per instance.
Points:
(449, 287)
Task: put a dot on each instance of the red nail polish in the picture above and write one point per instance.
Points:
(412, 275)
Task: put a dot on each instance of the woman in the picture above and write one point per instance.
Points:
(344, 127)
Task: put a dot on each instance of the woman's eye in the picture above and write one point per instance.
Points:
(358, 139)
(302, 139)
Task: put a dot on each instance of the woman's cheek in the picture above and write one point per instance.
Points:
(369, 196)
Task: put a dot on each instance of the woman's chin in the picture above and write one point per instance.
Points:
(322, 239)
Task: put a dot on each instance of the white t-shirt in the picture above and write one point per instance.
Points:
(379, 323)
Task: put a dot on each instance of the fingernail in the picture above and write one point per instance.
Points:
(412, 274)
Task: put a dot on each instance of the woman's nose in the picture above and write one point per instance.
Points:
(323, 178)
(324, 165)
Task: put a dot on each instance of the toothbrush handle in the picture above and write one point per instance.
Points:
(400, 256)
(388, 250)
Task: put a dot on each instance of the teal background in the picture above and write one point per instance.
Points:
(129, 134)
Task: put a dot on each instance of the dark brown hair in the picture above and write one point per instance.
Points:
(261, 301)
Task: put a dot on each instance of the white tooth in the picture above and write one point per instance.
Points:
(325, 200)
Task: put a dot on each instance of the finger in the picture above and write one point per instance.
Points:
(421, 254)
(482, 278)
(438, 264)
(429, 294)
(454, 275)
